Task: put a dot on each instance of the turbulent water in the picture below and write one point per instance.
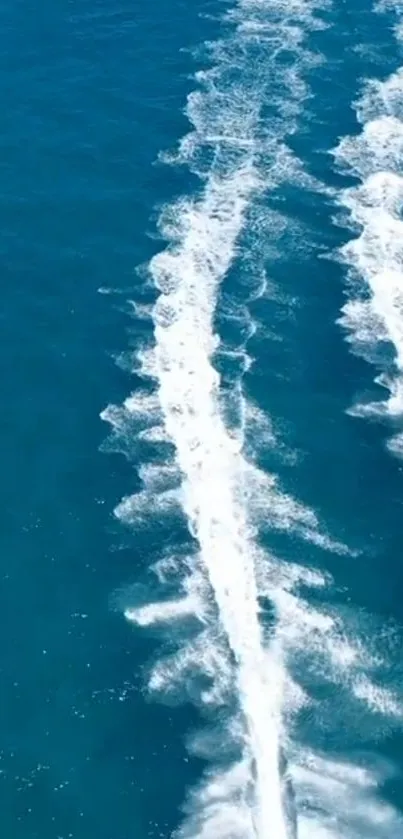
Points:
(232, 173)
(374, 313)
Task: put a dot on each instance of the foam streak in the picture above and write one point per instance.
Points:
(373, 315)
(236, 153)
(212, 469)
(250, 677)
(203, 236)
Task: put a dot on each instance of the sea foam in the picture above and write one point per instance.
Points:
(373, 313)
(238, 659)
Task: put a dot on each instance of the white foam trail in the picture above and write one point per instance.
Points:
(225, 113)
(212, 471)
(374, 313)
(203, 234)
(247, 671)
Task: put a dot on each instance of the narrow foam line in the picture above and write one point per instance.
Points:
(374, 313)
(235, 153)
(246, 794)
(213, 471)
(203, 234)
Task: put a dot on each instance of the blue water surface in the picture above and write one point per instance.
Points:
(90, 93)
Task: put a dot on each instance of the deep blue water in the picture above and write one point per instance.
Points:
(90, 94)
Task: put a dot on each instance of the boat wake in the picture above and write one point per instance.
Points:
(373, 314)
(243, 643)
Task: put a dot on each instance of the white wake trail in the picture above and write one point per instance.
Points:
(373, 314)
(248, 679)
(243, 109)
(212, 468)
(203, 235)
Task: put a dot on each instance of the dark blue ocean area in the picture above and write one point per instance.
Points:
(201, 241)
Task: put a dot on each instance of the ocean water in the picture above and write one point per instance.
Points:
(202, 403)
